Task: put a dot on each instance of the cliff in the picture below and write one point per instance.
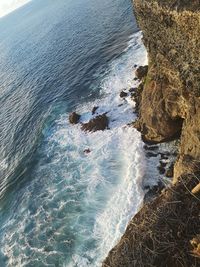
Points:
(169, 108)
(170, 104)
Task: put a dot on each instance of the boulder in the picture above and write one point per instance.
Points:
(123, 94)
(99, 123)
(74, 118)
(141, 72)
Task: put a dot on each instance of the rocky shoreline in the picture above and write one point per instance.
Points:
(166, 231)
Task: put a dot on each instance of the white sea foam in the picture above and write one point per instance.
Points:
(84, 201)
(125, 142)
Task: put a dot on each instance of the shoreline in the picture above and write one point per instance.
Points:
(158, 158)
(166, 231)
(109, 118)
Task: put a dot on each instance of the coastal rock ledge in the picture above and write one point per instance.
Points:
(169, 108)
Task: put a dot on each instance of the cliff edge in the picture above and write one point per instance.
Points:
(164, 233)
(169, 108)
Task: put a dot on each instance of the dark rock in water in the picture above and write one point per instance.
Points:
(87, 151)
(164, 156)
(132, 89)
(161, 169)
(135, 79)
(141, 72)
(133, 95)
(135, 66)
(163, 164)
(74, 118)
(123, 94)
(120, 105)
(151, 155)
(94, 110)
(152, 148)
(99, 123)
(170, 171)
(146, 187)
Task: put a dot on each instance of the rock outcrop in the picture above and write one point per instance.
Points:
(170, 100)
(98, 123)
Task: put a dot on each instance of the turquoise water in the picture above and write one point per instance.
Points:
(60, 206)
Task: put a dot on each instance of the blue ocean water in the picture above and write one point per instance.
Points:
(58, 206)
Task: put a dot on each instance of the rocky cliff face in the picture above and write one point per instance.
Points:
(169, 108)
(170, 104)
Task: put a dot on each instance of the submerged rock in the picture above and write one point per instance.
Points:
(120, 105)
(74, 118)
(99, 123)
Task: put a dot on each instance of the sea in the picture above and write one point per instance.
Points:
(61, 206)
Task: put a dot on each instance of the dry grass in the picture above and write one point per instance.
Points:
(165, 233)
